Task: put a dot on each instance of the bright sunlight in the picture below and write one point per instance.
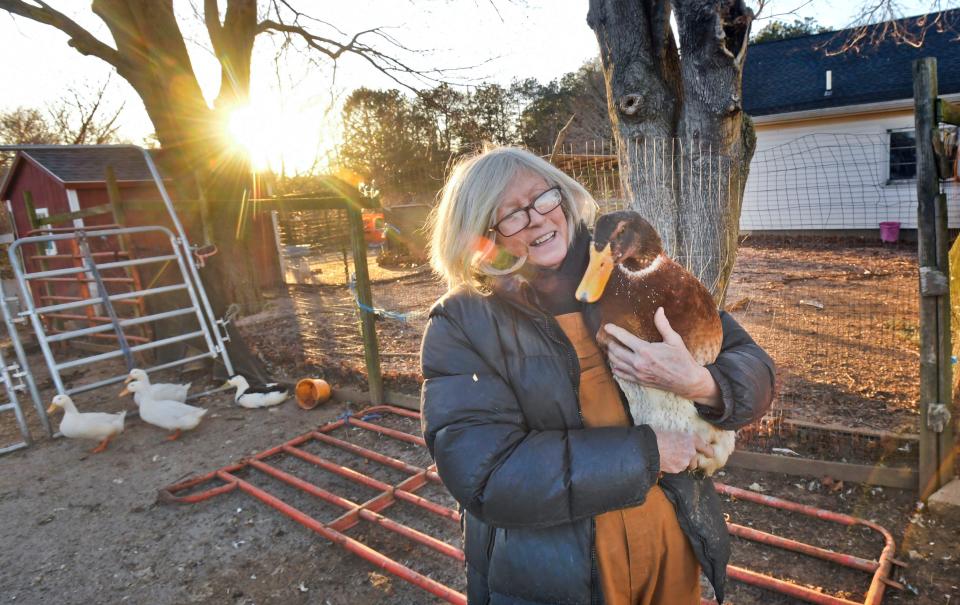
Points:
(252, 132)
(273, 139)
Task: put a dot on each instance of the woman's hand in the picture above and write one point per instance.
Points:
(666, 365)
(678, 451)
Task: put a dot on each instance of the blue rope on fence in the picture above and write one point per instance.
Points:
(381, 313)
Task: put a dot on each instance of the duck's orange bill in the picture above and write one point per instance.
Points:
(124, 392)
(596, 276)
(53, 408)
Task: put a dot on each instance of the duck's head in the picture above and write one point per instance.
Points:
(620, 238)
(238, 380)
(59, 402)
(136, 374)
(134, 386)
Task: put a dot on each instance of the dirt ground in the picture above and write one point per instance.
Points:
(81, 528)
(839, 317)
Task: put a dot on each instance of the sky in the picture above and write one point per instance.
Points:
(297, 112)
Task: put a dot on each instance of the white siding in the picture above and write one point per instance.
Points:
(832, 175)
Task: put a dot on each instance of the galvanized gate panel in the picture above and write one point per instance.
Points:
(12, 405)
(91, 271)
(16, 378)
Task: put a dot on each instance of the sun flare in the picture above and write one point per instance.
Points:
(276, 140)
(251, 133)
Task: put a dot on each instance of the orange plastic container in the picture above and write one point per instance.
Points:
(311, 392)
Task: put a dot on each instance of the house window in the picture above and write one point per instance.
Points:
(49, 248)
(903, 155)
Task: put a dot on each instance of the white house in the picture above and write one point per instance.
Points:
(835, 130)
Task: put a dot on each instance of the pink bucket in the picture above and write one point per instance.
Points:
(889, 231)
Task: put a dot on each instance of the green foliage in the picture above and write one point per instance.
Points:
(401, 145)
(548, 107)
(779, 30)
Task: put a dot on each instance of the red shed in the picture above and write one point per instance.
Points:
(72, 178)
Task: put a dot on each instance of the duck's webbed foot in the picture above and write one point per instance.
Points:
(101, 446)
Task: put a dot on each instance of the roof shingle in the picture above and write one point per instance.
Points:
(790, 75)
(84, 164)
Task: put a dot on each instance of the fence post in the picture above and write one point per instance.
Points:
(368, 328)
(936, 384)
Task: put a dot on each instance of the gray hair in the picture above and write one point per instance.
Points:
(468, 205)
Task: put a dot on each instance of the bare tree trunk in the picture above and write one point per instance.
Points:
(154, 60)
(684, 143)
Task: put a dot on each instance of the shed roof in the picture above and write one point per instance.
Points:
(87, 163)
(790, 75)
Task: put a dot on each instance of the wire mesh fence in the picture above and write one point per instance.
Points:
(834, 306)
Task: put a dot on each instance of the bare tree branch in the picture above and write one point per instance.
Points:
(80, 39)
(211, 18)
(881, 20)
(558, 143)
(87, 108)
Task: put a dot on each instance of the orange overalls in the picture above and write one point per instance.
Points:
(644, 557)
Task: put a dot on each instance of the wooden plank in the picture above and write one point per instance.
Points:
(116, 199)
(31, 209)
(899, 477)
(46, 288)
(368, 328)
(948, 112)
(928, 187)
(69, 216)
(860, 431)
(400, 400)
(330, 188)
(289, 204)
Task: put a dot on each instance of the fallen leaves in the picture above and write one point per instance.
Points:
(380, 582)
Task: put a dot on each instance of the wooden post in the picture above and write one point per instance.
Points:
(47, 289)
(946, 452)
(935, 361)
(275, 222)
(368, 328)
(31, 210)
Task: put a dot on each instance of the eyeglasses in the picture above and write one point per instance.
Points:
(519, 219)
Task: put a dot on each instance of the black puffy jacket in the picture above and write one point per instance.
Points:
(501, 418)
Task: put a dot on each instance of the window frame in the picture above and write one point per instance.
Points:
(891, 179)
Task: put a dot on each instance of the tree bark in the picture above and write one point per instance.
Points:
(153, 58)
(684, 143)
(151, 55)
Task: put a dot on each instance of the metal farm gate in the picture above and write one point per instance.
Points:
(108, 303)
(100, 309)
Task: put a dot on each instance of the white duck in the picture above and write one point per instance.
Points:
(167, 414)
(161, 391)
(257, 397)
(89, 425)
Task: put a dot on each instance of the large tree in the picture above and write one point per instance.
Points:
(149, 51)
(674, 99)
(680, 104)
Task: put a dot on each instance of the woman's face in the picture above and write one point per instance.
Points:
(544, 240)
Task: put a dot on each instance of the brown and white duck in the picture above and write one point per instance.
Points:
(629, 276)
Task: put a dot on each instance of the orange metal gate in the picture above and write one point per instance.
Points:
(227, 480)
